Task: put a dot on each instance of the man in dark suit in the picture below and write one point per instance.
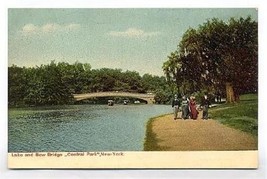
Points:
(175, 105)
(205, 103)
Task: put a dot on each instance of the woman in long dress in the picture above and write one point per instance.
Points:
(193, 108)
(185, 110)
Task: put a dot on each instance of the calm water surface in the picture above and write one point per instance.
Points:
(80, 127)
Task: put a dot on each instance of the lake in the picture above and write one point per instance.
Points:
(81, 128)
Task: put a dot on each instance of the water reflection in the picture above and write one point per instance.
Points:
(80, 127)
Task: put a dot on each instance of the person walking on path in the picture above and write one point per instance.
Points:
(175, 105)
(185, 110)
(205, 103)
(218, 97)
(193, 108)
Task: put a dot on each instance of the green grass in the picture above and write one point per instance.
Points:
(242, 115)
(151, 141)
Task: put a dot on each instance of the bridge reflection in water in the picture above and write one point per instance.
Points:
(147, 97)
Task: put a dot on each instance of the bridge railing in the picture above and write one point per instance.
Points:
(148, 97)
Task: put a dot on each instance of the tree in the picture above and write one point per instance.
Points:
(55, 83)
(152, 83)
(217, 54)
(17, 85)
(240, 56)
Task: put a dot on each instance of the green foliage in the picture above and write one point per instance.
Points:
(152, 83)
(55, 83)
(162, 97)
(243, 115)
(42, 85)
(17, 84)
(215, 53)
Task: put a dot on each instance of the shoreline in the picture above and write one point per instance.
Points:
(151, 143)
(165, 134)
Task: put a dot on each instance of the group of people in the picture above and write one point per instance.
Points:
(189, 107)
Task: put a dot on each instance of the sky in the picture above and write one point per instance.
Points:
(128, 39)
(26, 51)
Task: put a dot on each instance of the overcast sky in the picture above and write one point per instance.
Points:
(129, 39)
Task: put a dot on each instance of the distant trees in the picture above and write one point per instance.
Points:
(159, 86)
(17, 84)
(42, 85)
(217, 56)
(55, 83)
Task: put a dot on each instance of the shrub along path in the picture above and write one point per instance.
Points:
(192, 135)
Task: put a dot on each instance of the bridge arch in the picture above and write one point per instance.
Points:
(146, 97)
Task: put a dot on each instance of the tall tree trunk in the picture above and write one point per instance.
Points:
(230, 96)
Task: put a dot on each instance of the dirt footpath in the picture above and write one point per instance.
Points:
(184, 135)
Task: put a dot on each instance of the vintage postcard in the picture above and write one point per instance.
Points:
(132, 88)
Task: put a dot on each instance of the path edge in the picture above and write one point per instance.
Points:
(151, 141)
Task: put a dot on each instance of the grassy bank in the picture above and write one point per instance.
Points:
(151, 141)
(242, 115)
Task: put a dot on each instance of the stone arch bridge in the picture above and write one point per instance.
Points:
(147, 97)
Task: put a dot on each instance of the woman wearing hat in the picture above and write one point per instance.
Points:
(185, 108)
(193, 108)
